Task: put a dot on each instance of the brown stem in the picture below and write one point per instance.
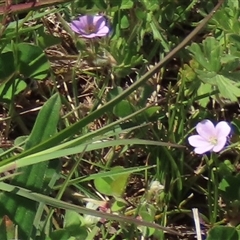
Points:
(24, 7)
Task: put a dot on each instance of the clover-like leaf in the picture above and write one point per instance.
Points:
(33, 61)
(222, 232)
(208, 54)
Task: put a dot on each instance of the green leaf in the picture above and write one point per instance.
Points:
(126, 4)
(208, 54)
(103, 185)
(47, 40)
(7, 67)
(11, 88)
(77, 232)
(113, 93)
(202, 90)
(33, 61)
(222, 232)
(9, 84)
(225, 85)
(123, 4)
(118, 205)
(135, 60)
(123, 109)
(65, 149)
(124, 22)
(223, 19)
(112, 186)
(119, 184)
(151, 111)
(20, 140)
(152, 5)
(20, 210)
(46, 122)
(230, 187)
(212, 51)
(100, 4)
(141, 15)
(72, 218)
(226, 168)
(147, 213)
(146, 93)
(227, 88)
(235, 38)
(61, 234)
(197, 53)
(155, 31)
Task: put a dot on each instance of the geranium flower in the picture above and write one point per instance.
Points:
(90, 26)
(210, 137)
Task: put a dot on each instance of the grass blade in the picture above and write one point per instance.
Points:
(21, 211)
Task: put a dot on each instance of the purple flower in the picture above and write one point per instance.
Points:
(89, 26)
(210, 137)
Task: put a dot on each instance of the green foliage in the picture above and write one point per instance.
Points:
(147, 213)
(6, 69)
(221, 232)
(72, 228)
(46, 40)
(35, 177)
(112, 186)
(25, 61)
(33, 62)
(228, 188)
(216, 68)
(115, 117)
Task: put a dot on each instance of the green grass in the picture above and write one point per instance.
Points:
(94, 132)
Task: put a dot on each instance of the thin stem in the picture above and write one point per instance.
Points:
(212, 188)
(215, 195)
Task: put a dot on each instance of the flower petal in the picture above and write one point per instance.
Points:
(220, 144)
(86, 20)
(99, 22)
(91, 35)
(223, 129)
(206, 129)
(75, 26)
(201, 145)
(79, 27)
(103, 31)
(203, 149)
(197, 141)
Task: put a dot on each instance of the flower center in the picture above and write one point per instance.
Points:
(90, 29)
(213, 141)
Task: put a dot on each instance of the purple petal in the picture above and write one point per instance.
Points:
(81, 25)
(91, 35)
(201, 150)
(75, 26)
(78, 27)
(103, 31)
(223, 129)
(206, 129)
(86, 20)
(198, 141)
(201, 145)
(99, 22)
(220, 144)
